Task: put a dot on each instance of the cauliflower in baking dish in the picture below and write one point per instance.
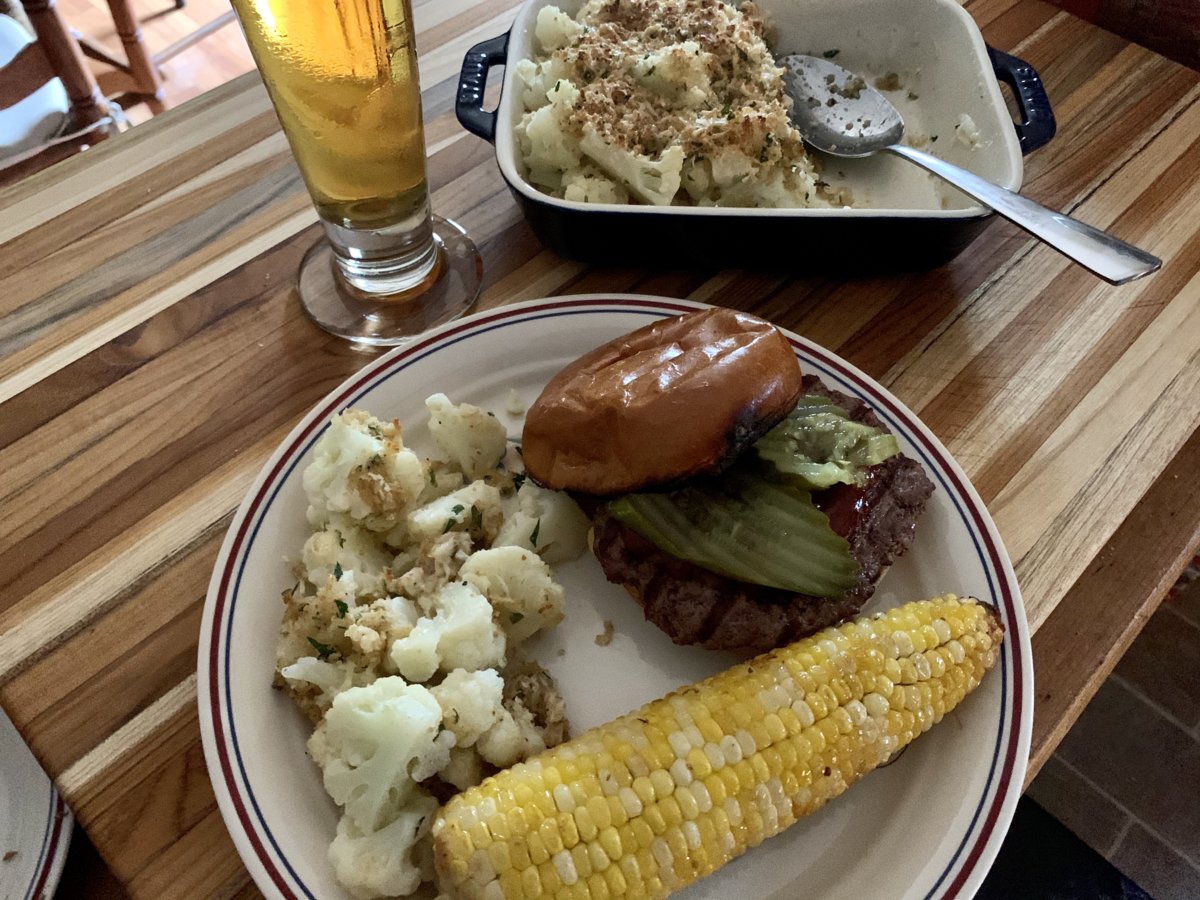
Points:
(661, 102)
(400, 641)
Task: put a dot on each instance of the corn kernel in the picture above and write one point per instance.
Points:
(548, 875)
(597, 887)
(567, 829)
(732, 750)
(587, 829)
(653, 817)
(680, 773)
(538, 853)
(671, 812)
(687, 803)
(616, 811)
(663, 784)
(643, 832)
(498, 856)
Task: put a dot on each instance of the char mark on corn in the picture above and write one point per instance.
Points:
(659, 798)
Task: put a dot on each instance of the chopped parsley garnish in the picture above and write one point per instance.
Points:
(516, 617)
(341, 539)
(518, 480)
(457, 509)
(450, 523)
(323, 650)
(533, 535)
(830, 54)
(337, 571)
(650, 71)
(342, 608)
(375, 431)
(727, 109)
(433, 477)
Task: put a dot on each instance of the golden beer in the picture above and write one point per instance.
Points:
(342, 75)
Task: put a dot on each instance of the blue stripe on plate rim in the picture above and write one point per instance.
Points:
(1007, 763)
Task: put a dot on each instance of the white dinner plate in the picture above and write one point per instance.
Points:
(929, 825)
(35, 824)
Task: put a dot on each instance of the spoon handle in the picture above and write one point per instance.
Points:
(1111, 258)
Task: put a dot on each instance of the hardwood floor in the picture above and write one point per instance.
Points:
(217, 58)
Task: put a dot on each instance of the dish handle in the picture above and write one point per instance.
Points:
(1037, 125)
(472, 81)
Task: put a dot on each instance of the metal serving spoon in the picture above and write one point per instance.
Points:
(837, 112)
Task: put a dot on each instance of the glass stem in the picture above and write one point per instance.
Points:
(391, 259)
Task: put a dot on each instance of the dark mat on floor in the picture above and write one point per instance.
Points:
(1043, 860)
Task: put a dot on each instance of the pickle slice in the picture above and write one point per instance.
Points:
(819, 445)
(748, 528)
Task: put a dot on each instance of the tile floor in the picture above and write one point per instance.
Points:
(1127, 777)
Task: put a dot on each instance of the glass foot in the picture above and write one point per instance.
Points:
(385, 320)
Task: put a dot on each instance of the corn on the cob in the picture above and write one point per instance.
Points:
(659, 798)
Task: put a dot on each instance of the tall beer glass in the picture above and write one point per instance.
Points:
(342, 75)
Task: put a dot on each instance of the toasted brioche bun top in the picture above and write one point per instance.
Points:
(670, 401)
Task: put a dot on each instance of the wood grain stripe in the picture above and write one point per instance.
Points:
(74, 182)
(153, 798)
(1163, 363)
(74, 781)
(1109, 604)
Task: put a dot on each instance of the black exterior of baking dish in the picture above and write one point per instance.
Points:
(859, 244)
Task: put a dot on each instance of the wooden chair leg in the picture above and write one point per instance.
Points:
(87, 105)
(145, 75)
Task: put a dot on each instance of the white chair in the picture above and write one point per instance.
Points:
(50, 104)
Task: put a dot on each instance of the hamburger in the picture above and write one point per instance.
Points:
(742, 503)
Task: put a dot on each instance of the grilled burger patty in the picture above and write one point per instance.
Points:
(696, 606)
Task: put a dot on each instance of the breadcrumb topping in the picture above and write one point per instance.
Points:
(646, 76)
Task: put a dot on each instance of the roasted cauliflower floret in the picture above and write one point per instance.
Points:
(547, 143)
(475, 509)
(460, 635)
(520, 588)
(471, 703)
(549, 522)
(361, 471)
(376, 627)
(513, 738)
(472, 439)
(314, 624)
(375, 744)
(381, 863)
(314, 682)
(347, 549)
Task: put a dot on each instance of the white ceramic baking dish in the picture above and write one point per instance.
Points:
(901, 217)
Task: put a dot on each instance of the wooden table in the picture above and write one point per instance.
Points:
(152, 354)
